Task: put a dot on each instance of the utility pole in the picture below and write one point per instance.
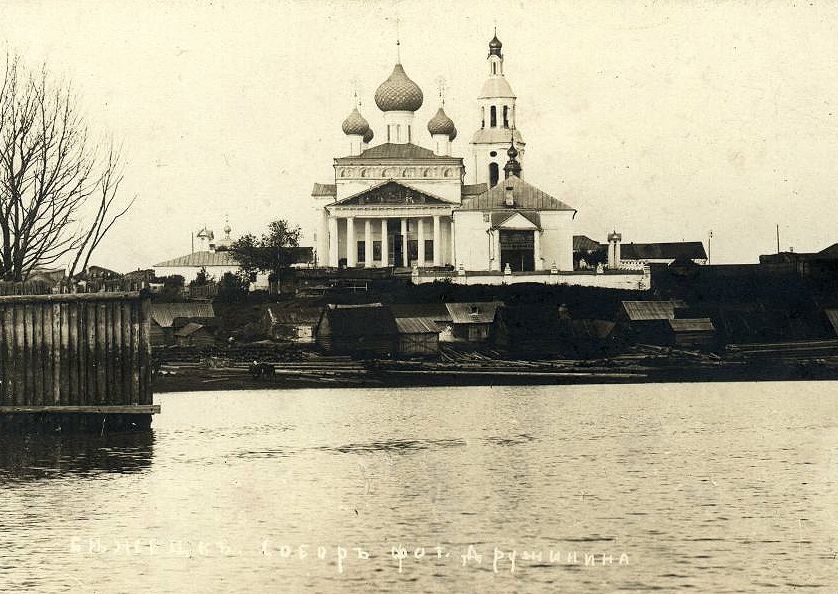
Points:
(778, 238)
(709, 237)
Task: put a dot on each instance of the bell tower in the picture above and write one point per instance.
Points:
(496, 105)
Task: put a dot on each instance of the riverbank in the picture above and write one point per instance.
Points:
(480, 369)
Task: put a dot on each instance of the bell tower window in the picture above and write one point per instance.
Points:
(493, 174)
(493, 117)
(505, 116)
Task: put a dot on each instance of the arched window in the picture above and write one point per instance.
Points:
(494, 67)
(493, 116)
(426, 173)
(493, 174)
(505, 116)
(363, 173)
(482, 117)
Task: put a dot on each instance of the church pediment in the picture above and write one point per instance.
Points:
(391, 193)
(515, 220)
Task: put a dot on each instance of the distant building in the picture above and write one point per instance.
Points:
(418, 337)
(647, 321)
(692, 333)
(212, 256)
(815, 265)
(473, 321)
(291, 325)
(194, 334)
(167, 318)
(357, 329)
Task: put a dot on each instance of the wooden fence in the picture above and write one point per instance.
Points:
(75, 353)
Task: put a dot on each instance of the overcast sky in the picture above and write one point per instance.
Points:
(663, 120)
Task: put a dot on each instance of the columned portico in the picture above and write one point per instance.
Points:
(333, 242)
(351, 246)
(437, 242)
(368, 263)
(404, 243)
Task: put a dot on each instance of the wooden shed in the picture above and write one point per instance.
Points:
(693, 333)
(647, 321)
(290, 325)
(163, 316)
(418, 336)
(357, 330)
(194, 334)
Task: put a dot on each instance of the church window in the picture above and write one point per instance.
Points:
(493, 116)
(482, 117)
(363, 173)
(405, 173)
(493, 153)
(376, 250)
(494, 67)
(362, 251)
(447, 173)
(493, 174)
(486, 217)
(426, 173)
(408, 134)
(429, 249)
(505, 116)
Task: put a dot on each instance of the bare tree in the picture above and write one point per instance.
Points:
(59, 192)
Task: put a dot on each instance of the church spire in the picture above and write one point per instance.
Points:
(512, 167)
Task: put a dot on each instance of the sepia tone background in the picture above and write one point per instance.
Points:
(662, 120)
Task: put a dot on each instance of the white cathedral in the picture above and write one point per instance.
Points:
(400, 204)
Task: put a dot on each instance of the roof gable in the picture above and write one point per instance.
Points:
(201, 259)
(638, 311)
(476, 312)
(392, 193)
(360, 320)
(516, 220)
(526, 197)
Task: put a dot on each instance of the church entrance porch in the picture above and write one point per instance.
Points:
(517, 250)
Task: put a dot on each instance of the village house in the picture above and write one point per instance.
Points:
(693, 333)
(368, 329)
(167, 318)
(282, 323)
(418, 337)
(473, 321)
(193, 334)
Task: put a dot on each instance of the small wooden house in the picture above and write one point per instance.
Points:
(693, 333)
(163, 316)
(647, 321)
(368, 330)
(418, 337)
(290, 325)
(473, 321)
(194, 334)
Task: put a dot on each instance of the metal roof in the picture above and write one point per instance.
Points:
(499, 218)
(692, 325)
(473, 312)
(164, 314)
(372, 319)
(392, 192)
(390, 150)
(692, 250)
(417, 326)
(200, 260)
(474, 189)
(649, 310)
(526, 197)
(190, 328)
(583, 243)
(325, 190)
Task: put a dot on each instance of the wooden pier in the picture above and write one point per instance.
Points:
(76, 357)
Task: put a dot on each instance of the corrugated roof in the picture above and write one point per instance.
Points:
(164, 314)
(693, 250)
(389, 150)
(832, 316)
(190, 328)
(525, 195)
(200, 260)
(324, 190)
(474, 312)
(649, 310)
(474, 189)
(692, 325)
(417, 326)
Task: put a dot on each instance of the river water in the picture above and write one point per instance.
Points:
(699, 487)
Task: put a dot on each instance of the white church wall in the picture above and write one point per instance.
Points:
(473, 243)
(557, 239)
(631, 281)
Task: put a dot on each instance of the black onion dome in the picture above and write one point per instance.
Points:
(368, 136)
(398, 92)
(495, 46)
(442, 124)
(355, 123)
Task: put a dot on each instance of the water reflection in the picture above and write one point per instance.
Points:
(32, 457)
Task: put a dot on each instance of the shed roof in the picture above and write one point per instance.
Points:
(473, 312)
(324, 190)
(189, 329)
(372, 319)
(164, 314)
(693, 250)
(417, 326)
(526, 196)
(692, 325)
(638, 311)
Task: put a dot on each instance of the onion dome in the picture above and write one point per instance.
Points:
(368, 136)
(512, 167)
(398, 93)
(495, 46)
(442, 124)
(355, 123)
